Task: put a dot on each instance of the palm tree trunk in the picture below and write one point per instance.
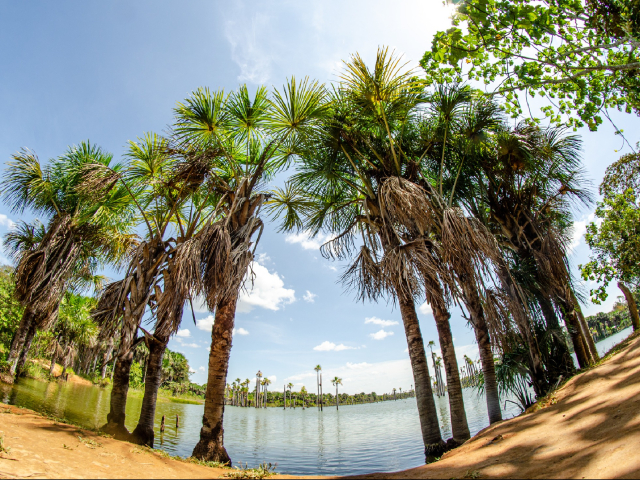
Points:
(472, 300)
(523, 321)
(631, 303)
(211, 444)
(337, 399)
(54, 359)
(595, 356)
(22, 360)
(575, 331)
(459, 426)
(19, 338)
(143, 433)
(427, 411)
(120, 375)
(560, 365)
(106, 358)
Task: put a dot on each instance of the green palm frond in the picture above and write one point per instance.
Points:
(202, 119)
(298, 107)
(248, 117)
(26, 184)
(25, 237)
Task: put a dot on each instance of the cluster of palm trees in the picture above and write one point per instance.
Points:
(195, 195)
(429, 193)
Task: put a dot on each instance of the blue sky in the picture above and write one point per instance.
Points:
(108, 72)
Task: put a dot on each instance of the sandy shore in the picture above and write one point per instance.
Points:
(33, 446)
(590, 429)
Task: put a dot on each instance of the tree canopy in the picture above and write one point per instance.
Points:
(582, 57)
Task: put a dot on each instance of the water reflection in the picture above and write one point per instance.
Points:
(356, 439)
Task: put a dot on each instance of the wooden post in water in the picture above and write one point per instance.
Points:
(284, 397)
(177, 420)
(162, 425)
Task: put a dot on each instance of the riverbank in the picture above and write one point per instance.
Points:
(32, 445)
(589, 428)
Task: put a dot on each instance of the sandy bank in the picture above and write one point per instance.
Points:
(37, 447)
(591, 429)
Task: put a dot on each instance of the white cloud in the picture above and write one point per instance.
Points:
(201, 369)
(382, 323)
(309, 297)
(328, 346)
(190, 345)
(267, 291)
(380, 334)
(263, 258)
(578, 231)
(191, 370)
(305, 240)
(425, 309)
(240, 331)
(184, 333)
(205, 324)
(273, 378)
(7, 222)
(248, 50)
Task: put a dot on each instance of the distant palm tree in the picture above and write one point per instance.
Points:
(337, 381)
(394, 394)
(303, 391)
(266, 382)
(318, 369)
(258, 383)
(289, 387)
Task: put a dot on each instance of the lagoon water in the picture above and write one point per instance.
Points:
(353, 440)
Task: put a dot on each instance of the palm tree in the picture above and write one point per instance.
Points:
(336, 381)
(532, 178)
(347, 177)
(234, 143)
(318, 369)
(258, 383)
(82, 233)
(238, 383)
(289, 387)
(266, 382)
(303, 391)
(394, 394)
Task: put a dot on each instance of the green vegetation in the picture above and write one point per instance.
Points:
(581, 57)
(426, 187)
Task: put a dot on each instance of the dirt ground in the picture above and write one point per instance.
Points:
(590, 430)
(33, 446)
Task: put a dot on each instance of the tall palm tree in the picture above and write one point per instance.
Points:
(318, 369)
(266, 382)
(81, 233)
(337, 381)
(258, 383)
(532, 179)
(233, 144)
(289, 387)
(353, 179)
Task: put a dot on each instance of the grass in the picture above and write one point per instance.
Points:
(3, 447)
(263, 470)
(88, 442)
(551, 397)
(184, 400)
